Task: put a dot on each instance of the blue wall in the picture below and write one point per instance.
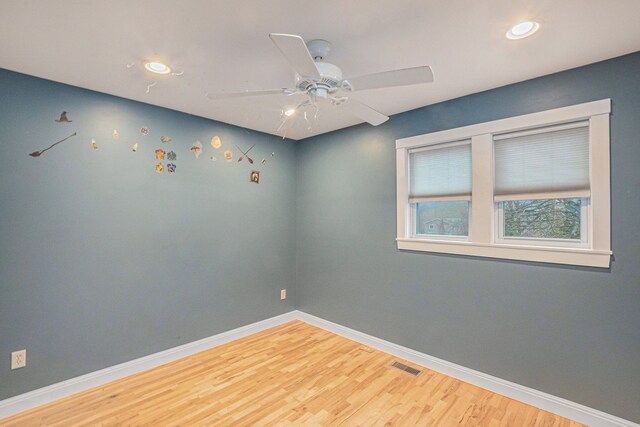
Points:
(102, 259)
(569, 331)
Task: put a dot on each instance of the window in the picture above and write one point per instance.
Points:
(542, 185)
(533, 187)
(543, 219)
(440, 189)
(442, 219)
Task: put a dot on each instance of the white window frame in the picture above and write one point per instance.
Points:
(484, 233)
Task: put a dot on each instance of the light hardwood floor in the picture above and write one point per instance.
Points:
(291, 375)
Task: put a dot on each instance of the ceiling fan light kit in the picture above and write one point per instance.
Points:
(322, 81)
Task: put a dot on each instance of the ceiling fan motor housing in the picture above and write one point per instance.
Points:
(319, 49)
(329, 82)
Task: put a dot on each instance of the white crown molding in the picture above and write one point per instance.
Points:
(545, 401)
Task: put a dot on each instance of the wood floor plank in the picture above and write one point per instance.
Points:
(291, 375)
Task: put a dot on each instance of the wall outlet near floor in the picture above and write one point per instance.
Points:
(283, 294)
(18, 359)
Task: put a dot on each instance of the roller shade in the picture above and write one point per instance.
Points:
(440, 173)
(544, 163)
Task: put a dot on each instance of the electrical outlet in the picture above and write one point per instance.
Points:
(283, 294)
(18, 359)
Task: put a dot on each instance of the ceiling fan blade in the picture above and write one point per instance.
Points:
(364, 112)
(245, 93)
(295, 50)
(403, 77)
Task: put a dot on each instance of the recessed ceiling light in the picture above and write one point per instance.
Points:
(522, 30)
(157, 67)
(290, 112)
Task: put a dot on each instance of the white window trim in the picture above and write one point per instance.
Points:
(482, 237)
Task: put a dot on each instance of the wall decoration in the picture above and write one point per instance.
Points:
(216, 142)
(213, 158)
(94, 144)
(41, 152)
(144, 131)
(171, 168)
(159, 168)
(135, 148)
(196, 148)
(116, 135)
(244, 154)
(171, 155)
(228, 155)
(165, 139)
(255, 177)
(160, 154)
(63, 118)
(263, 161)
(273, 153)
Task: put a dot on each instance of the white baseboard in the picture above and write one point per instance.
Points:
(544, 401)
(66, 388)
(547, 402)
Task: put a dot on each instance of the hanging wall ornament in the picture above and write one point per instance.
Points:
(228, 155)
(135, 148)
(94, 144)
(263, 161)
(171, 168)
(196, 148)
(171, 155)
(213, 158)
(116, 135)
(255, 177)
(165, 139)
(41, 152)
(144, 131)
(160, 154)
(63, 118)
(273, 153)
(159, 168)
(244, 154)
(216, 142)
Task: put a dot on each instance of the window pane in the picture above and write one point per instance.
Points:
(544, 219)
(543, 162)
(440, 171)
(443, 218)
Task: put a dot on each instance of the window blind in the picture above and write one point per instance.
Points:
(440, 173)
(544, 163)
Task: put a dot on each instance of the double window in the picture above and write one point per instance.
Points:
(532, 187)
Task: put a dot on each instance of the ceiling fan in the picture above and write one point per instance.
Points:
(320, 80)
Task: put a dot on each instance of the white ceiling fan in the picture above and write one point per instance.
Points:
(323, 81)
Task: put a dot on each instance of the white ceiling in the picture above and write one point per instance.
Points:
(224, 46)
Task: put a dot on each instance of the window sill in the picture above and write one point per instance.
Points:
(555, 255)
